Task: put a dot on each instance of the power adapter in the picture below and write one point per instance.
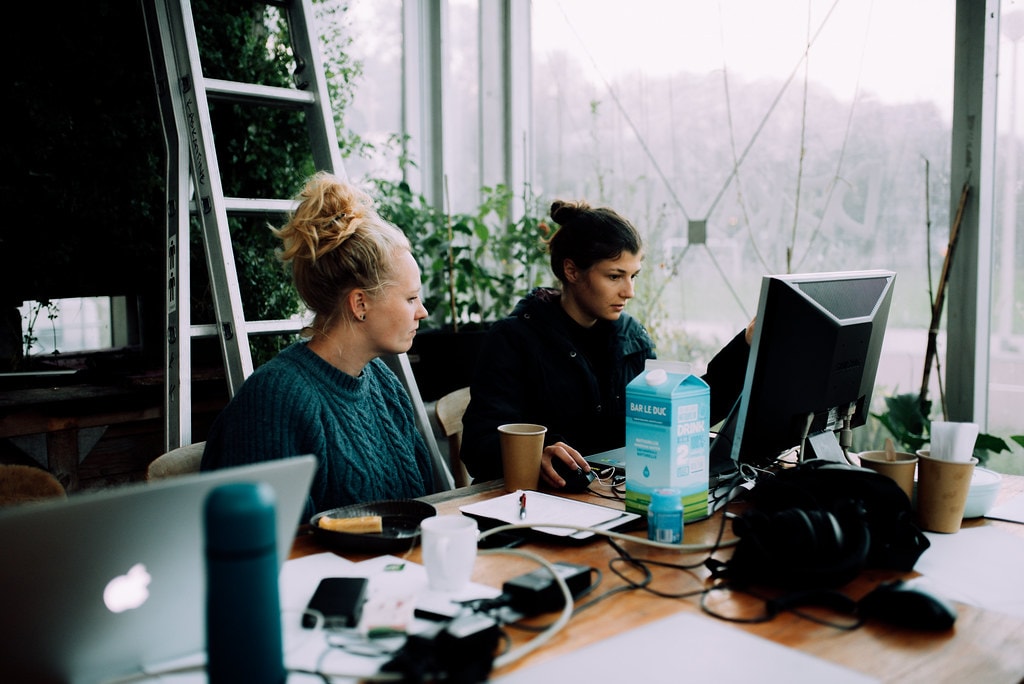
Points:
(459, 652)
(537, 592)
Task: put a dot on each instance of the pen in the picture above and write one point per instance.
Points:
(522, 505)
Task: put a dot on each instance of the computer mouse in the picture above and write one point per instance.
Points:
(576, 480)
(908, 603)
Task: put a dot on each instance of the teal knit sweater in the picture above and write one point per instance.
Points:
(360, 429)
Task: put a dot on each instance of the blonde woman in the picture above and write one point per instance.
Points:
(330, 394)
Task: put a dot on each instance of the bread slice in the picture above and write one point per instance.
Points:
(364, 524)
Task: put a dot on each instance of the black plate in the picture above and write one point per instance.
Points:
(400, 519)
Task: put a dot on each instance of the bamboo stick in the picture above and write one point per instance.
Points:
(940, 296)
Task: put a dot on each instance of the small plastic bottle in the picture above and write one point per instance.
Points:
(665, 516)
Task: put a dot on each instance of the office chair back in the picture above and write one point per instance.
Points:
(23, 484)
(399, 363)
(449, 411)
(180, 461)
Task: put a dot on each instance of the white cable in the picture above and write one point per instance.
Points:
(539, 640)
(545, 636)
(685, 548)
(567, 610)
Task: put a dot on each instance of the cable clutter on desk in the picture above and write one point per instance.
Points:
(805, 531)
(810, 529)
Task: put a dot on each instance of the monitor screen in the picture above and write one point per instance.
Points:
(812, 366)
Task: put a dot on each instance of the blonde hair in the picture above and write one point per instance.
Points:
(336, 242)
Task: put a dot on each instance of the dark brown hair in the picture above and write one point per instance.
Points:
(587, 235)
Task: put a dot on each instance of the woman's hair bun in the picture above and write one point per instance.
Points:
(563, 211)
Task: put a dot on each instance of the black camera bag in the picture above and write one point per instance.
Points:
(818, 524)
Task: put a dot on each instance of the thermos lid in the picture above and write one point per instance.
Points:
(240, 518)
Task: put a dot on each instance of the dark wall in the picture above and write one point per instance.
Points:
(83, 159)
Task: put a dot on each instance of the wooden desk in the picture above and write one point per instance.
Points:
(67, 421)
(118, 421)
(982, 647)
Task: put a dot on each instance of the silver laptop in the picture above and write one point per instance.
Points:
(62, 618)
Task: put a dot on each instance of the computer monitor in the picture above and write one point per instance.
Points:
(812, 366)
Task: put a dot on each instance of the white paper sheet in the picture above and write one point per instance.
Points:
(686, 648)
(548, 508)
(1012, 510)
(980, 566)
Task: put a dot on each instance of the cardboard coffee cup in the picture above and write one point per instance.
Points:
(942, 488)
(900, 469)
(521, 447)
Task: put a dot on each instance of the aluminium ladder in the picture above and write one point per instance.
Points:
(194, 183)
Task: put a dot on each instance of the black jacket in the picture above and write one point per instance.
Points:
(532, 369)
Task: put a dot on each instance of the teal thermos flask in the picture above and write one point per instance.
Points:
(243, 607)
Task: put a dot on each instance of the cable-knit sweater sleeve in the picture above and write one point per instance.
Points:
(361, 429)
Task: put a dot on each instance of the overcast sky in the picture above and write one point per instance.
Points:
(898, 50)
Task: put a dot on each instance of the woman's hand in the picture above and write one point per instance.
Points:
(749, 335)
(562, 452)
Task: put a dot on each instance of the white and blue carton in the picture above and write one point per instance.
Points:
(668, 412)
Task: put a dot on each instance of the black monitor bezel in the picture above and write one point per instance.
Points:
(740, 431)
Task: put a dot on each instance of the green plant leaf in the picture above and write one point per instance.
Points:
(491, 259)
(990, 443)
(904, 419)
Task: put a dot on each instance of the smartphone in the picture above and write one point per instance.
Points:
(339, 600)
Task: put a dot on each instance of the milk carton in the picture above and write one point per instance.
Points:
(667, 439)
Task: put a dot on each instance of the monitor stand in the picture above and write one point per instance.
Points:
(721, 465)
(823, 445)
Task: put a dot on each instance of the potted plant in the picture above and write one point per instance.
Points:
(907, 416)
(475, 266)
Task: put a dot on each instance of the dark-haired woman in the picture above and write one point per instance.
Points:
(332, 395)
(564, 356)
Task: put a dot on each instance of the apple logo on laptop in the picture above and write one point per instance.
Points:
(127, 591)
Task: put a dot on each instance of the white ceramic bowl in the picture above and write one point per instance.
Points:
(984, 488)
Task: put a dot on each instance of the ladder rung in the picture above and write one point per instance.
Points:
(251, 327)
(274, 327)
(243, 205)
(253, 93)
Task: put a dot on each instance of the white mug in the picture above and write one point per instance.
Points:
(449, 551)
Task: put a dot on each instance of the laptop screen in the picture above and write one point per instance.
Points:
(105, 583)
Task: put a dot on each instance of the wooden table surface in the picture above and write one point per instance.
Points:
(983, 646)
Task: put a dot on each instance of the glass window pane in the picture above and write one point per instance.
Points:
(461, 106)
(801, 136)
(374, 28)
(1006, 370)
(66, 325)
